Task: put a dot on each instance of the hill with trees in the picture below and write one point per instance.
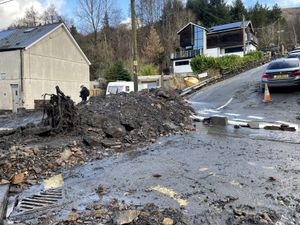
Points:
(105, 40)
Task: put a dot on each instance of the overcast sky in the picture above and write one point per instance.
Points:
(15, 9)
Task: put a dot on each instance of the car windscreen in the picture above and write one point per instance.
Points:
(294, 56)
(283, 65)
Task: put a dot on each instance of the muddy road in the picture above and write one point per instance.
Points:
(214, 176)
(240, 99)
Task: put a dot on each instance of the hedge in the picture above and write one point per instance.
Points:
(228, 63)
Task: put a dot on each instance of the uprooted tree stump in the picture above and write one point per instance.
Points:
(62, 115)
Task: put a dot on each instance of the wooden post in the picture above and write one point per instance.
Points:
(134, 44)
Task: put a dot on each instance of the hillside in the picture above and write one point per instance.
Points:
(292, 16)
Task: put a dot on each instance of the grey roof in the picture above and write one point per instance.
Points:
(229, 26)
(20, 38)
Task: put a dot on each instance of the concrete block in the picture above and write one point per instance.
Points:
(254, 125)
(219, 121)
(4, 189)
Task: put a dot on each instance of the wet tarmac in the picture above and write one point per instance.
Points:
(239, 98)
(212, 172)
(212, 175)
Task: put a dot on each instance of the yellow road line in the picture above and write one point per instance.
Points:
(171, 193)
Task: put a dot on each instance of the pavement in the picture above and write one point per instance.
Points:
(212, 175)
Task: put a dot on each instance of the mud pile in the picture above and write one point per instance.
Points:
(101, 127)
(126, 119)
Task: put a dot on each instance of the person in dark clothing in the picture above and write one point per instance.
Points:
(84, 93)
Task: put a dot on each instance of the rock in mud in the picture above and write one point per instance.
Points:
(18, 178)
(126, 217)
(168, 221)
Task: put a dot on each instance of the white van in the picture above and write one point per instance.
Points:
(119, 86)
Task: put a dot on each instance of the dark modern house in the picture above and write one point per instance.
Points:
(234, 38)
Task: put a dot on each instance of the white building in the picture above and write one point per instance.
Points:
(34, 60)
(216, 41)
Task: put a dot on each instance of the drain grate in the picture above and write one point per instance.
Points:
(40, 200)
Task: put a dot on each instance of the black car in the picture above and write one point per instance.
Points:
(282, 73)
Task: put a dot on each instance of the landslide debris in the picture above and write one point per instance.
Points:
(117, 213)
(72, 135)
(133, 118)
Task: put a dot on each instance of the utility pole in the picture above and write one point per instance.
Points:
(244, 31)
(134, 44)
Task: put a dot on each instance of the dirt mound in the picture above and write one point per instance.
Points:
(133, 118)
(103, 126)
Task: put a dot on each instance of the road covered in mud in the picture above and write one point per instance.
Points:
(225, 175)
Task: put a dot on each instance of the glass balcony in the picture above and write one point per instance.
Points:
(186, 54)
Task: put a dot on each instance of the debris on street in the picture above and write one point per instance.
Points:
(117, 213)
(72, 135)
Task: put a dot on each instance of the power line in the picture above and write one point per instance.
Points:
(5, 1)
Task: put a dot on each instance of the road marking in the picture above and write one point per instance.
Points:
(232, 114)
(171, 193)
(211, 110)
(256, 117)
(226, 104)
(242, 120)
(268, 167)
(203, 113)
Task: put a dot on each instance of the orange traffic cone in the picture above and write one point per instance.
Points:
(267, 97)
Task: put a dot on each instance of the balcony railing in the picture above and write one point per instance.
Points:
(186, 54)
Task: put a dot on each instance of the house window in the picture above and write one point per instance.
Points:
(182, 63)
(198, 38)
(235, 49)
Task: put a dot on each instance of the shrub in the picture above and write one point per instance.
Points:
(228, 63)
(149, 70)
(117, 72)
(202, 63)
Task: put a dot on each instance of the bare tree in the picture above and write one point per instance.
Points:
(91, 14)
(50, 15)
(31, 19)
(149, 11)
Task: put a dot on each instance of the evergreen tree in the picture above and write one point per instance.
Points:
(117, 72)
(106, 20)
(75, 34)
(237, 11)
(200, 9)
(219, 12)
(211, 12)
(259, 15)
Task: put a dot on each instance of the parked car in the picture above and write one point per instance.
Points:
(295, 51)
(294, 55)
(282, 73)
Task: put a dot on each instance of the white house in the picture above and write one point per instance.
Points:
(217, 41)
(34, 60)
